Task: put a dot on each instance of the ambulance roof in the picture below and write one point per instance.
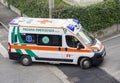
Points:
(70, 24)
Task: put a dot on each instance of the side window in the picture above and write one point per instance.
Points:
(72, 41)
(29, 38)
(50, 40)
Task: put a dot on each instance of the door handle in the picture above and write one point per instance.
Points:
(66, 49)
(59, 49)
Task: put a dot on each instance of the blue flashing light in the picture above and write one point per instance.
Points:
(71, 27)
(76, 21)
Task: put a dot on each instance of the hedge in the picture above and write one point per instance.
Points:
(93, 17)
(35, 8)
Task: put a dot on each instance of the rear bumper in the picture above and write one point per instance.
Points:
(98, 57)
(14, 56)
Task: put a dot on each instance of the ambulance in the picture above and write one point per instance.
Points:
(53, 41)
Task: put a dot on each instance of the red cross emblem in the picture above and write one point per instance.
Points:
(68, 55)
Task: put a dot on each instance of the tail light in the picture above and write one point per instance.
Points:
(9, 47)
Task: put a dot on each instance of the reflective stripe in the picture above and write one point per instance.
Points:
(48, 48)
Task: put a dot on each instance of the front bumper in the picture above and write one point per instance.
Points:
(98, 57)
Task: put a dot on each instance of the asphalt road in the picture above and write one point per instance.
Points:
(14, 72)
(108, 72)
(112, 61)
(94, 75)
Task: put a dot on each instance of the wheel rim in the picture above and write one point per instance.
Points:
(25, 61)
(86, 64)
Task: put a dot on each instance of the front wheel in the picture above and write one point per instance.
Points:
(26, 60)
(85, 63)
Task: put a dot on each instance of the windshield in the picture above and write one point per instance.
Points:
(86, 37)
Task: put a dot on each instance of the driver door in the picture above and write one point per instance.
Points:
(71, 50)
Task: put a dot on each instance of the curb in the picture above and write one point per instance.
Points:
(4, 26)
(110, 38)
(3, 51)
(59, 74)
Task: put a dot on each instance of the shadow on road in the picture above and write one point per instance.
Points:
(92, 75)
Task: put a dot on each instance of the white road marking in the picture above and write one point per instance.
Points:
(113, 73)
(3, 51)
(59, 74)
(111, 47)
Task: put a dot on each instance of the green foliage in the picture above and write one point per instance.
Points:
(32, 8)
(93, 17)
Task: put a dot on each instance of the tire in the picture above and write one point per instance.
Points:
(85, 63)
(26, 60)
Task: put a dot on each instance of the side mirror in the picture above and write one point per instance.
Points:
(79, 46)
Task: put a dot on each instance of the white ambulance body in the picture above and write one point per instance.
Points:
(53, 40)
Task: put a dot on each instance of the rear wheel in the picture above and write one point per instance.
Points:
(85, 63)
(26, 60)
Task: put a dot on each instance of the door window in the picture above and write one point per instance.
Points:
(50, 40)
(72, 41)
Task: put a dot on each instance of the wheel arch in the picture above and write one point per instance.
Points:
(83, 57)
(28, 63)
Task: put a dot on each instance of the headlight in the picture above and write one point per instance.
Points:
(95, 50)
